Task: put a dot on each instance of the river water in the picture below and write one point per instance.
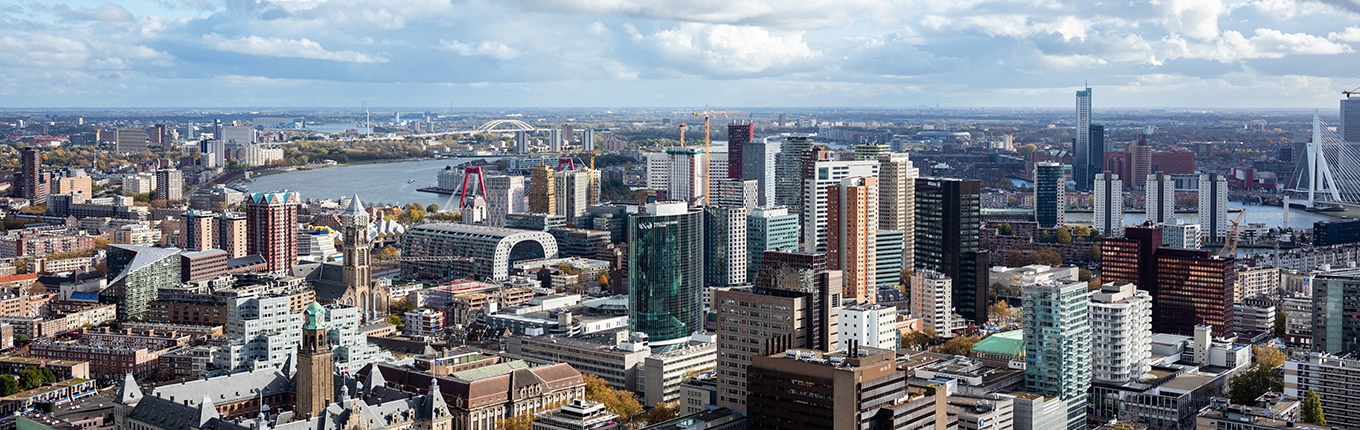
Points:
(374, 183)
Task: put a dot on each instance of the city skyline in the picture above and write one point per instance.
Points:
(1183, 54)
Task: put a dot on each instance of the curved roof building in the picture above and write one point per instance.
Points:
(453, 251)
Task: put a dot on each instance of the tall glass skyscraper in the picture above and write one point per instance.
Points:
(1057, 337)
(948, 222)
(666, 272)
(1050, 194)
(1081, 145)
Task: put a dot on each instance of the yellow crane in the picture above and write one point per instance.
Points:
(708, 142)
(1230, 244)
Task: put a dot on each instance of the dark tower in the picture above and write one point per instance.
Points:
(738, 136)
(315, 386)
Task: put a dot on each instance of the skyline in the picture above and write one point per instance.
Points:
(534, 53)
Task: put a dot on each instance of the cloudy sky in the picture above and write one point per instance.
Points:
(665, 53)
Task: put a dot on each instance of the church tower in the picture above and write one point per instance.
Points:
(357, 244)
(314, 384)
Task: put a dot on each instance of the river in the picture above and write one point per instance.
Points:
(374, 183)
(1271, 216)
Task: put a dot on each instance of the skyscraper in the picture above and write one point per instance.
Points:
(1350, 120)
(1335, 330)
(1193, 287)
(739, 135)
(1213, 205)
(758, 160)
(948, 222)
(169, 184)
(573, 192)
(1132, 258)
(588, 139)
(555, 140)
(821, 174)
(1097, 157)
(897, 200)
(231, 234)
(666, 272)
(1121, 341)
(542, 198)
(788, 175)
(1081, 148)
(504, 195)
(521, 142)
(769, 229)
(888, 258)
(271, 225)
(1109, 205)
(931, 300)
(1050, 194)
(851, 225)
(198, 233)
(33, 183)
(735, 193)
(1057, 338)
(1161, 198)
(726, 245)
(687, 174)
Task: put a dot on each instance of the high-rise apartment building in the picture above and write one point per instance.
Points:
(573, 191)
(1180, 235)
(948, 223)
(1213, 205)
(1161, 198)
(169, 184)
(735, 193)
(1081, 148)
(739, 135)
(658, 170)
(1121, 333)
(1332, 378)
(851, 226)
(820, 177)
(1109, 205)
(1057, 338)
(725, 246)
(1349, 128)
(888, 258)
(687, 174)
(262, 332)
(897, 200)
(788, 175)
(521, 142)
(231, 236)
(931, 300)
(1050, 194)
(1335, 329)
(135, 276)
(769, 229)
(271, 225)
(542, 198)
(32, 183)
(1193, 288)
(199, 232)
(555, 140)
(504, 195)
(758, 160)
(588, 140)
(666, 272)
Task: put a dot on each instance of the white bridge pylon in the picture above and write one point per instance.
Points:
(1332, 168)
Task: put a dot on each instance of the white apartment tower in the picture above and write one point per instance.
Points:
(1181, 235)
(1121, 333)
(658, 171)
(1213, 205)
(897, 200)
(1109, 205)
(686, 175)
(930, 299)
(504, 195)
(1161, 198)
(873, 326)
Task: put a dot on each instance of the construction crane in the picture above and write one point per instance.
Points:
(1230, 246)
(682, 135)
(1348, 94)
(708, 142)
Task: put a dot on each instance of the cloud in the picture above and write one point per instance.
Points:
(497, 50)
(1197, 19)
(729, 50)
(788, 14)
(107, 12)
(286, 48)
(1351, 34)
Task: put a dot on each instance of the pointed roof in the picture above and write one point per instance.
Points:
(355, 208)
(375, 378)
(433, 406)
(128, 393)
(206, 411)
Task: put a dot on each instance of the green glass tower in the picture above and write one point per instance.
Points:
(666, 272)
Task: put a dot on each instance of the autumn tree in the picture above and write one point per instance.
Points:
(617, 402)
(1267, 356)
(920, 338)
(1254, 382)
(999, 311)
(961, 345)
(663, 411)
(523, 421)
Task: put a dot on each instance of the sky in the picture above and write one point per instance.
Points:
(674, 53)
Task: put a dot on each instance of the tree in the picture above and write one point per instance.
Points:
(1063, 236)
(618, 402)
(1250, 384)
(1004, 229)
(1268, 357)
(1026, 150)
(961, 345)
(30, 378)
(1083, 275)
(999, 311)
(8, 385)
(920, 338)
(394, 320)
(432, 208)
(1281, 318)
(1049, 257)
(387, 253)
(663, 411)
(1312, 409)
(20, 338)
(518, 422)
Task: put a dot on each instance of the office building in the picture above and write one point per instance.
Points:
(140, 183)
(860, 388)
(136, 274)
(130, 140)
(542, 189)
(521, 142)
(948, 225)
(887, 258)
(788, 175)
(739, 135)
(455, 251)
(271, 225)
(1050, 194)
(1193, 288)
(1336, 231)
(1349, 128)
(931, 300)
(504, 195)
(822, 175)
(661, 374)
(870, 325)
(1180, 235)
(758, 161)
(735, 193)
(1082, 153)
(666, 272)
(1121, 333)
(1161, 198)
(1332, 378)
(851, 235)
(262, 332)
(725, 246)
(794, 303)
(573, 192)
(1132, 258)
(686, 174)
(82, 185)
(1213, 206)
(658, 170)
(897, 200)
(1109, 205)
(31, 182)
(1057, 337)
(1097, 148)
(1335, 331)
(769, 229)
(169, 184)
(580, 414)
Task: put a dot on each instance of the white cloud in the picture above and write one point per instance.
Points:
(1197, 19)
(1351, 34)
(1266, 43)
(787, 14)
(286, 48)
(722, 49)
(45, 51)
(497, 50)
(107, 12)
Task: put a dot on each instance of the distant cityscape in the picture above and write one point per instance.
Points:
(592, 269)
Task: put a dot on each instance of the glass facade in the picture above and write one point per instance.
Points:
(666, 274)
(1193, 287)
